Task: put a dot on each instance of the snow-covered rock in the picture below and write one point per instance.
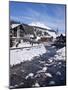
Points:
(48, 74)
(44, 69)
(36, 85)
(58, 73)
(29, 75)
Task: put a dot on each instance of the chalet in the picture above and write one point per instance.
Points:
(25, 32)
(17, 31)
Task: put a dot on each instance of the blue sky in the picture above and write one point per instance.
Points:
(52, 15)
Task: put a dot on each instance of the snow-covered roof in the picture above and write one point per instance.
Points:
(14, 25)
(39, 24)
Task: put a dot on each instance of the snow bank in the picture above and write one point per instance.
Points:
(24, 44)
(21, 55)
(60, 54)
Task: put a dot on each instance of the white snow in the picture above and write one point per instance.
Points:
(39, 24)
(29, 75)
(60, 54)
(53, 34)
(14, 25)
(50, 60)
(37, 38)
(21, 55)
(24, 44)
(44, 69)
(48, 74)
(36, 85)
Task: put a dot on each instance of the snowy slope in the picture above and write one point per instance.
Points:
(17, 56)
(60, 54)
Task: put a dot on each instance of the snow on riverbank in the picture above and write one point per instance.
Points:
(21, 55)
(60, 54)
